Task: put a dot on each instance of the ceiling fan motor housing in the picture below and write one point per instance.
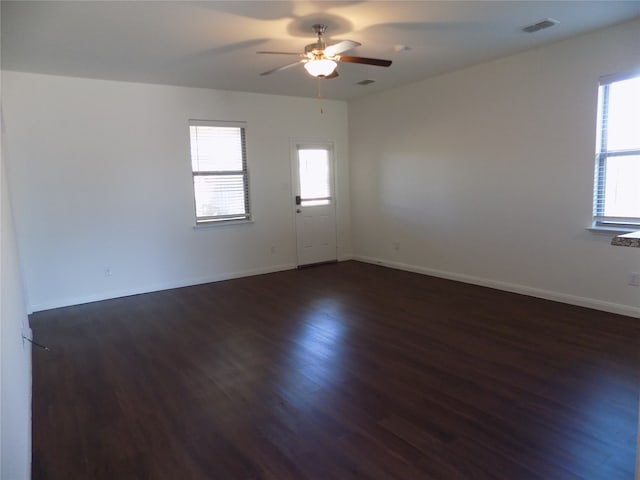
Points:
(317, 48)
(314, 49)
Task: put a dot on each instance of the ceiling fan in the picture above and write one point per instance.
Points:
(321, 60)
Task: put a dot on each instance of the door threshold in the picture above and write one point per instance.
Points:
(317, 264)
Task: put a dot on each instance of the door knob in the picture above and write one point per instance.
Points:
(298, 210)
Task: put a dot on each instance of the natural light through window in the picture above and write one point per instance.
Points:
(315, 178)
(218, 163)
(617, 183)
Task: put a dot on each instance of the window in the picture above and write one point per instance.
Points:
(219, 165)
(617, 180)
(315, 176)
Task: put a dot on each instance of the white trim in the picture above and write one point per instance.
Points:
(222, 223)
(460, 277)
(613, 230)
(158, 287)
(618, 77)
(29, 460)
(510, 287)
(218, 123)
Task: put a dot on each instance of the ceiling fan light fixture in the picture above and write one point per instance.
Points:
(320, 68)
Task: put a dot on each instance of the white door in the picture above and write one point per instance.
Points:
(315, 204)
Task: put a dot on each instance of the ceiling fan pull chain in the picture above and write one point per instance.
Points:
(319, 96)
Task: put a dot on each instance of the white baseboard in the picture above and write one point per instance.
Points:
(611, 307)
(157, 287)
(460, 277)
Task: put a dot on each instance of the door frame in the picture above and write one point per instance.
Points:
(312, 142)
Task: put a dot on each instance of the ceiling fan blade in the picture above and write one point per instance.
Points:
(278, 69)
(340, 47)
(378, 62)
(280, 53)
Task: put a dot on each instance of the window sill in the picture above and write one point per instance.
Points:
(613, 230)
(205, 226)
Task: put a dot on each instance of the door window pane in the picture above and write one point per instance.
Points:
(315, 177)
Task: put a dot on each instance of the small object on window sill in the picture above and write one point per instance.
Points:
(627, 240)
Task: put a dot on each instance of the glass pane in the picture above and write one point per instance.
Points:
(219, 195)
(622, 190)
(623, 121)
(216, 148)
(313, 167)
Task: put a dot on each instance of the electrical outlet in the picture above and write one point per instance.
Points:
(396, 246)
(108, 272)
(634, 279)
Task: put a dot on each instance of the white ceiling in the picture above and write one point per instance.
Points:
(213, 44)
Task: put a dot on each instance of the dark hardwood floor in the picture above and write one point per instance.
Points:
(336, 372)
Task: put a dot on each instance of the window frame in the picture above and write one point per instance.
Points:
(600, 220)
(230, 218)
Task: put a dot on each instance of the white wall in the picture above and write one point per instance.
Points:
(486, 174)
(101, 178)
(15, 355)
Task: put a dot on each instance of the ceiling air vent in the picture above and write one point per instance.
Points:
(546, 23)
(366, 82)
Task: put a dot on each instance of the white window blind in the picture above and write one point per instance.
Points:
(617, 180)
(219, 166)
